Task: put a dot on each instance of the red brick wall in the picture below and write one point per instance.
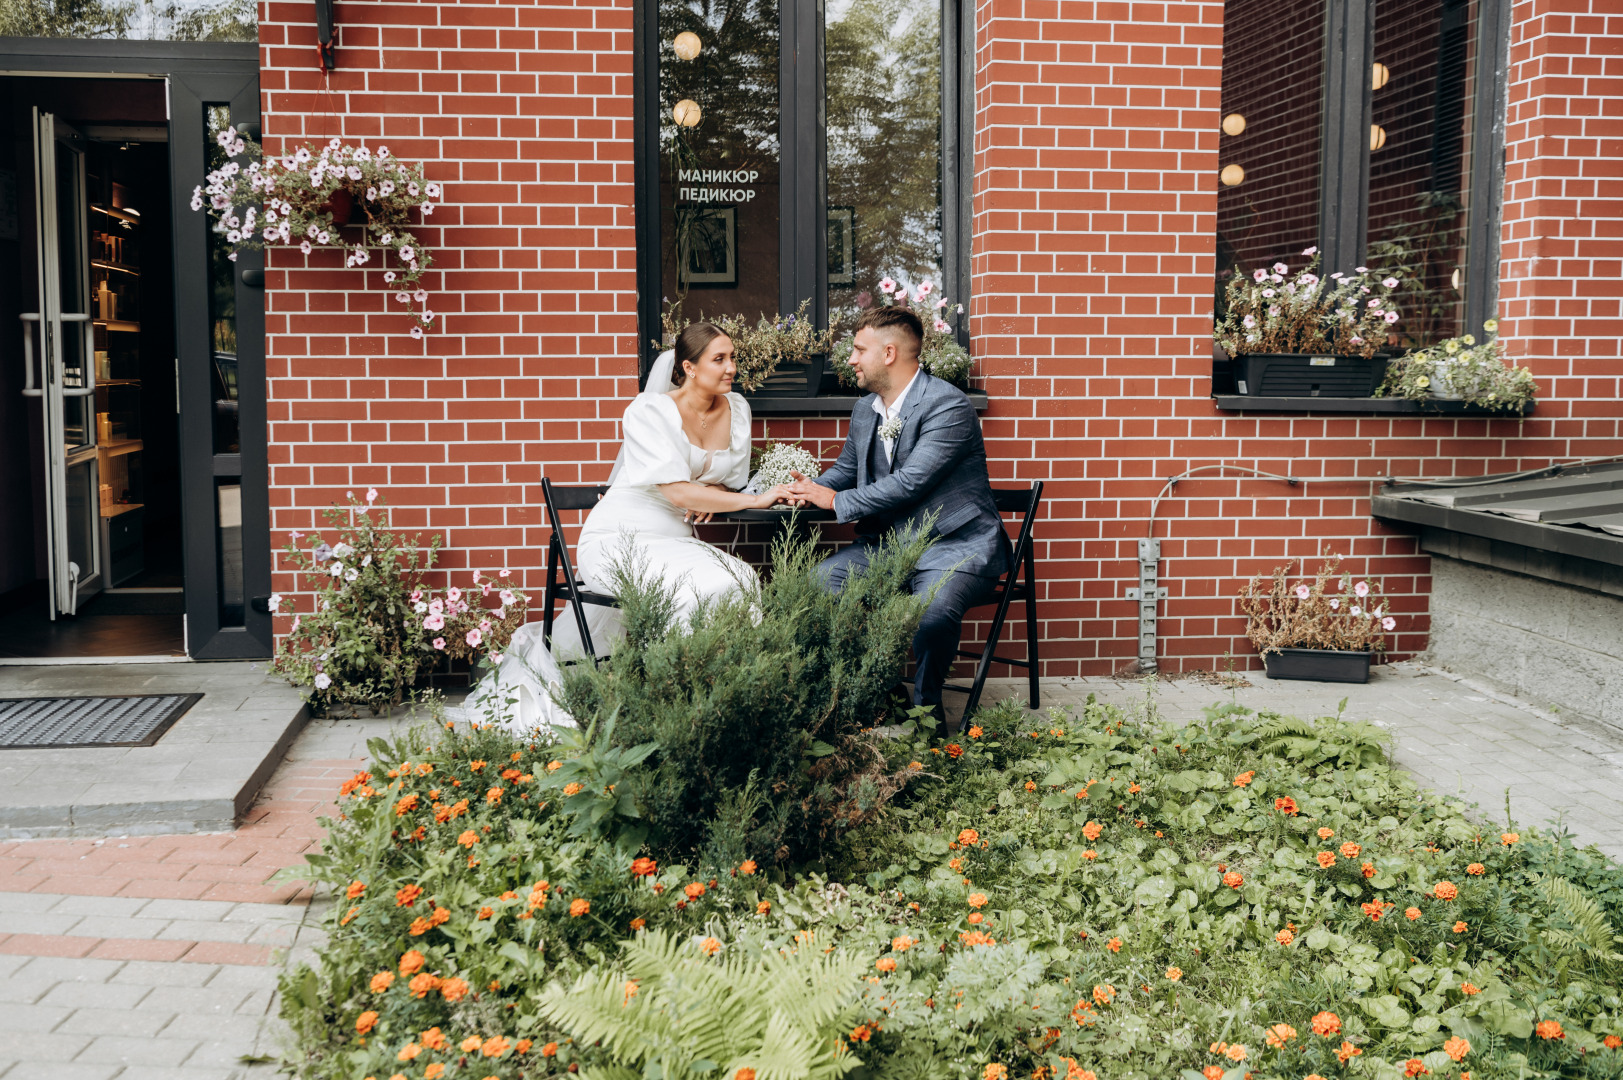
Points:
(1095, 201)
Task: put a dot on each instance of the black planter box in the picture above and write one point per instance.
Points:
(1307, 375)
(1318, 665)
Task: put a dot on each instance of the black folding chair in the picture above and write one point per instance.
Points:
(1009, 589)
(559, 497)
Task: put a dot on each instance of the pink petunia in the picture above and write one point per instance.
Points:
(434, 622)
(1361, 590)
(439, 643)
(475, 637)
(1335, 603)
(1259, 274)
(1389, 623)
(887, 286)
(1302, 592)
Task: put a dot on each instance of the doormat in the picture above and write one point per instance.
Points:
(48, 723)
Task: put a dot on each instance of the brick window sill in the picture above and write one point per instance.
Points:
(1361, 406)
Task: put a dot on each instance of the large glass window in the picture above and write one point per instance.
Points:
(132, 20)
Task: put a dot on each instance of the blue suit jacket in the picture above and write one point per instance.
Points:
(938, 466)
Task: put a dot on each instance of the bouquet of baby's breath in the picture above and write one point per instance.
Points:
(1332, 611)
(1344, 315)
(1462, 369)
(761, 349)
(774, 465)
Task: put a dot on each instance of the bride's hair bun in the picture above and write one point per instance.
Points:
(691, 343)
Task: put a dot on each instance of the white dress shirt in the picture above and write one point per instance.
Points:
(892, 413)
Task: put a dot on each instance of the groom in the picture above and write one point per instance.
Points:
(914, 448)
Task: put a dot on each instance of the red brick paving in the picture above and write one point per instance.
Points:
(191, 952)
(236, 866)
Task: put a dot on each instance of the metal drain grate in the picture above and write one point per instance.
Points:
(56, 722)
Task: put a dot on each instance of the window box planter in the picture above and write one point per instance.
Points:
(1318, 665)
(1302, 375)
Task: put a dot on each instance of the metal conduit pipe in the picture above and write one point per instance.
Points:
(1149, 592)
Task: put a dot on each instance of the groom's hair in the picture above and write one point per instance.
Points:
(898, 322)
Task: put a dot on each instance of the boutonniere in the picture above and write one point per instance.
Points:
(890, 429)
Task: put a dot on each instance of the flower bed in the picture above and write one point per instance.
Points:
(1087, 895)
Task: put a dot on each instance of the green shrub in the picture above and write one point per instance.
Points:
(760, 708)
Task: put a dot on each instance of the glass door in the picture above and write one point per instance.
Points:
(66, 365)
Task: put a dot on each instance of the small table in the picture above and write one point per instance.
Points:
(805, 515)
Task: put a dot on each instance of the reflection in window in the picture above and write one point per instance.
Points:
(133, 20)
(222, 306)
(884, 148)
(1420, 159)
(228, 509)
(1270, 149)
(718, 163)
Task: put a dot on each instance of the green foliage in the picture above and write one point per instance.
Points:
(758, 349)
(669, 1009)
(1462, 369)
(224, 20)
(774, 688)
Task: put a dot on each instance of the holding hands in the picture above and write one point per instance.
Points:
(803, 492)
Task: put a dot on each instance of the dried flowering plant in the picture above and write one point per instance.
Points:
(758, 350)
(1275, 311)
(1463, 369)
(361, 645)
(302, 199)
(940, 354)
(776, 463)
(1330, 611)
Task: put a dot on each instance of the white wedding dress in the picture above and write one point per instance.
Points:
(634, 525)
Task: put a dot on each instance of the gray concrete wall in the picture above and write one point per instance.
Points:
(1554, 645)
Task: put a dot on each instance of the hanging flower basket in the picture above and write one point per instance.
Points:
(303, 198)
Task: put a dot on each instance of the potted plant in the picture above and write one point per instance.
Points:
(941, 354)
(1462, 369)
(1326, 629)
(304, 198)
(1300, 335)
(759, 350)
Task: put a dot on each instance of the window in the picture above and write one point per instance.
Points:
(1374, 133)
(145, 20)
(792, 151)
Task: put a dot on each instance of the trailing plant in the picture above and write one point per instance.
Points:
(1275, 311)
(297, 199)
(758, 350)
(1331, 612)
(361, 644)
(1461, 368)
(941, 355)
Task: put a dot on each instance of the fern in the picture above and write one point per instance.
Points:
(1588, 933)
(671, 1011)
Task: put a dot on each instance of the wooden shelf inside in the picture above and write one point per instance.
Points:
(112, 510)
(119, 446)
(103, 265)
(118, 324)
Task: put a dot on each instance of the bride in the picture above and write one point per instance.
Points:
(685, 458)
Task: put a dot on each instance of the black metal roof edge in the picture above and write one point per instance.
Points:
(1563, 540)
(20, 55)
(1581, 467)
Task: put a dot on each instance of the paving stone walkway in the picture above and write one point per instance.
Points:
(156, 957)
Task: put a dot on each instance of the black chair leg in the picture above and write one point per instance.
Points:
(1035, 670)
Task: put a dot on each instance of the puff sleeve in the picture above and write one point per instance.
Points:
(655, 448)
(739, 445)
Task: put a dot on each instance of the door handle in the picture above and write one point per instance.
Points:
(89, 358)
(29, 390)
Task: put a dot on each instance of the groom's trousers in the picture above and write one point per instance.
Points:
(935, 645)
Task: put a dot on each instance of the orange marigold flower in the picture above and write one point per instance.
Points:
(1470, 989)
(1286, 805)
(638, 924)
(406, 805)
(1460, 927)
(1325, 832)
(550, 1050)
(1415, 1067)
(354, 782)
(1476, 869)
(1233, 879)
(644, 867)
(1278, 1035)
(956, 863)
(1549, 1029)
(1105, 994)
(976, 937)
(1090, 854)
(916, 766)
(476, 765)
(440, 917)
(975, 732)
(1092, 830)
(411, 960)
(747, 867)
(470, 1044)
(1114, 944)
(495, 1046)
(694, 890)
(1285, 936)
(977, 900)
(486, 912)
(1174, 973)
(355, 889)
(574, 787)
(1326, 859)
(1411, 913)
(1235, 1053)
(885, 963)
(1326, 1024)
(1456, 1048)
(382, 981)
(1612, 1042)
(434, 1039)
(454, 989)
(975, 918)
(1031, 785)
(1212, 1072)
(1368, 870)
(348, 915)
(579, 907)
(1134, 788)
(1375, 909)
(419, 927)
(468, 838)
(746, 1073)
(903, 943)
(511, 774)
(434, 1071)
(954, 750)
(493, 796)
(1245, 778)
(1346, 1051)
(969, 838)
(407, 895)
(1446, 890)
(1350, 850)
(1509, 838)
(1073, 1071)
(710, 946)
(366, 1021)
(422, 985)
(994, 1071)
